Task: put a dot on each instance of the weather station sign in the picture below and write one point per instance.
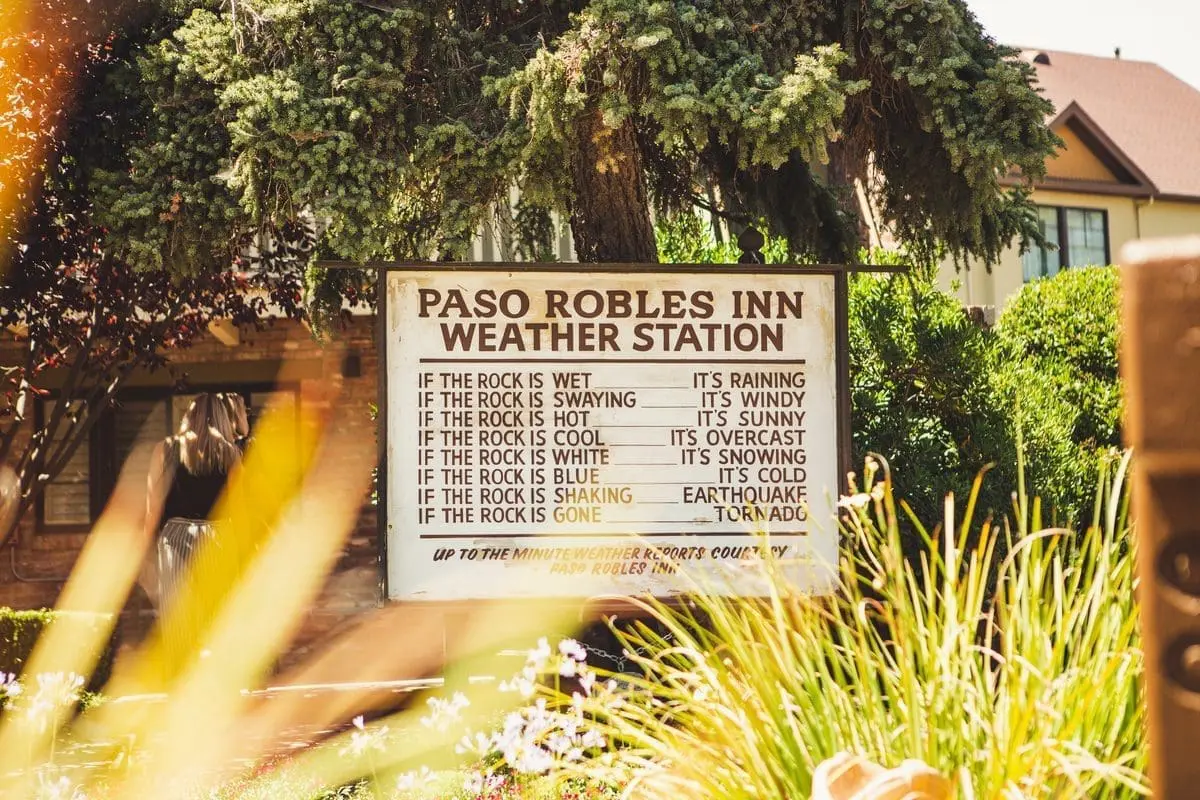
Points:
(554, 433)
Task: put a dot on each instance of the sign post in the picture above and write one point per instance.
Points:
(1160, 362)
(619, 431)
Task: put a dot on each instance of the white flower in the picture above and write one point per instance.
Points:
(362, 740)
(479, 783)
(54, 692)
(445, 712)
(60, 788)
(480, 744)
(534, 761)
(473, 783)
(525, 683)
(572, 649)
(538, 656)
(9, 685)
(592, 739)
(414, 780)
(854, 501)
(60, 687)
(559, 743)
(536, 739)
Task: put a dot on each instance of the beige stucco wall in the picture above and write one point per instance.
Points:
(1074, 160)
(1128, 219)
(1167, 218)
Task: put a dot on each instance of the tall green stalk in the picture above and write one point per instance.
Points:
(1012, 667)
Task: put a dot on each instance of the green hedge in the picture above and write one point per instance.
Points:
(921, 393)
(1057, 378)
(19, 632)
(1071, 322)
(941, 398)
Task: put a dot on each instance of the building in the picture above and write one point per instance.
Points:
(36, 561)
(1129, 168)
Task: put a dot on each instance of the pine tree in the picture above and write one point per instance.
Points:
(402, 124)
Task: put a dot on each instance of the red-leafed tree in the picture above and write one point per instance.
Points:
(78, 318)
(88, 326)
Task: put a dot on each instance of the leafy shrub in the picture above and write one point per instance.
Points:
(1070, 318)
(1057, 379)
(941, 398)
(1031, 691)
(921, 394)
(19, 632)
(685, 238)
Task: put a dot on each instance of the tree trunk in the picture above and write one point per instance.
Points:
(846, 166)
(610, 217)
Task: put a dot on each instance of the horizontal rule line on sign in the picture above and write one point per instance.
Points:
(660, 483)
(644, 463)
(757, 361)
(638, 444)
(558, 536)
(606, 427)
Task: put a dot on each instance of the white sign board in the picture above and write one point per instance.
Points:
(569, 434)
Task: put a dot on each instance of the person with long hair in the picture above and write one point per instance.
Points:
(241, 420)
(188, 474)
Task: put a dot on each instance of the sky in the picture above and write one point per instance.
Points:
(1162, 31)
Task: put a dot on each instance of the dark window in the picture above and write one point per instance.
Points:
(66, 501)
(78, 494)
(1079, 238)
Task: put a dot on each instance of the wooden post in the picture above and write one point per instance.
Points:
(1160, 362)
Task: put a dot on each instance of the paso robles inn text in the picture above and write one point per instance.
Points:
(665, 320)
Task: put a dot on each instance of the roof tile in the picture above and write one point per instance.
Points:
(1151, 115)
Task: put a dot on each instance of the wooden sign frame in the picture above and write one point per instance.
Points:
(839, 273)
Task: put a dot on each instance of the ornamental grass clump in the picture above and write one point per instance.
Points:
(186, 712)
(1015, 675)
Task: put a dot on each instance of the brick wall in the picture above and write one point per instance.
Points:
(34, 567)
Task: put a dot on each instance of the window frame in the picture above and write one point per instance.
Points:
(1064, 245)
(103, 469)
(39, 416)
